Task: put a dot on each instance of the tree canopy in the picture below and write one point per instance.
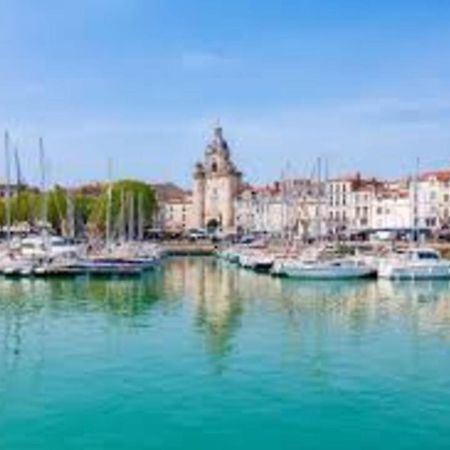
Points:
(133, 203)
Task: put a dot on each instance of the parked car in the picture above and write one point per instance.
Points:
(247, 239)
(197, 234)
(443, 234)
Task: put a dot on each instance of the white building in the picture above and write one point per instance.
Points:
(391, 209)
(291, 208)
(303, 208)
(432, 198)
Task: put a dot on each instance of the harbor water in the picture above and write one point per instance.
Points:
(202, 355)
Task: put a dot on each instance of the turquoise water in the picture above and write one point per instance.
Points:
(204, 356)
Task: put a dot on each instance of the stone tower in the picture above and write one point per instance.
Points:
(216, 186)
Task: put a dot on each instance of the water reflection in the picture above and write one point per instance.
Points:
(29, 307)
(221, 294)
(214, 291)
(216, 298)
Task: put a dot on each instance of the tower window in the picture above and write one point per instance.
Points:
(214, 167)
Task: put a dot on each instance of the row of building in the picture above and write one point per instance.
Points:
(301, 207)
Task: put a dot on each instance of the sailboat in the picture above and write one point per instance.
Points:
(35, 253)
(125, 254)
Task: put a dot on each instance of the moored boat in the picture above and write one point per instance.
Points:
(334, 269)
(414, 264)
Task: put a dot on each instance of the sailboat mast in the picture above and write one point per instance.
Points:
(122, 216)
(140, 217)
(43, 183)
(416, 232)
(19, 177)
(319, 199)
(326, 213)
(70, 215)
(109, 206)
(131, 216)
(44, 211)
(8, 188)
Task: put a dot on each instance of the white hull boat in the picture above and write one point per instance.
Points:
(415, 264)
(259, 262)
(335, 269)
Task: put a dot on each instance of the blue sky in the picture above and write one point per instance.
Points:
(364, 83)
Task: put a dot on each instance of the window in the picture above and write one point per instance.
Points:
(427, 255)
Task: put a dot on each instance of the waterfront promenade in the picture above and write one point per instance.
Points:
(206, 248)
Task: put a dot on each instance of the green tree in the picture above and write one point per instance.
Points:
(123, 193)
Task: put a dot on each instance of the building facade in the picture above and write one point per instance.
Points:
(303, 208)
(432, 193)
(217, 183)
(174, 213)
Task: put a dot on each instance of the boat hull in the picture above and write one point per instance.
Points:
(441, 272)
(326, 272)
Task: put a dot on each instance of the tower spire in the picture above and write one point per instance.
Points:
(218, 131)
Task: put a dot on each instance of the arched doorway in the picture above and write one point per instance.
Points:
(212, 225)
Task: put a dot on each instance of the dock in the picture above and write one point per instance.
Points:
(182, 248)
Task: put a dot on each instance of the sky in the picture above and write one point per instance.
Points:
(364, 84)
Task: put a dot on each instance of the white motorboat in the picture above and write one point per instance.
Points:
(26, 255)
(414, 264)
(17, 267)
(40, 247)
(323, 263)
(259, 261)
(147, 257)
(332, 269)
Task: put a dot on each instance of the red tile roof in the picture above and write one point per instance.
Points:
(439, 175)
